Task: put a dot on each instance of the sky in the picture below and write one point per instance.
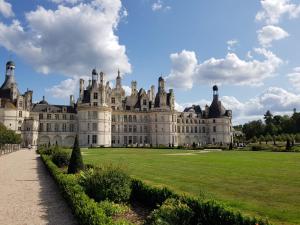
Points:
(250, 49)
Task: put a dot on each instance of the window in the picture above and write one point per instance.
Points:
(113, 100)
(134, 118)
(48, 127)
(125, 128)
(178, 128)
(113, 128)
(94, 126)
(64, 116)
(41, 116)
(71, 127)
(56, 127)
(203, 129)
(95, 95)
(49, 116)
(130, 140)
(19, 128)
(125, 140)
(141, 139)
(134, 129)
(130, 118)
(214, 121)
(56, 116)
(145, 129)
(64, 127)
(20, 113)
(41, 127)
(113, 139)
(125, 118)
(113, 118)
(71, 117)
(215, 129)
(130, 128)
(94, 139)
(134, 139)
(88, 138)
(95, 104)
(95, 115)
(196, 130)
(144, 102)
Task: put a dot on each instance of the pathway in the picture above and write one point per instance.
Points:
(28, 195)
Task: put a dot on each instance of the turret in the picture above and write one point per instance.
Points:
(9, 76)
(161, 84)
(94, 77)
(133, 88)
(118, 81)
(101, 78)
(215, 92)
(72, 100)
(81, 88)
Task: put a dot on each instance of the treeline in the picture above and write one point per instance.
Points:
(8, 136)
(273, 128)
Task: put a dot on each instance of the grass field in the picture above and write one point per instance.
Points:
(263, 184)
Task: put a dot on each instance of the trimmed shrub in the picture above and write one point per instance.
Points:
(86, 210)
(172, 212)
(108, 183)
(76, 163)
(61, 158)
(151, 197)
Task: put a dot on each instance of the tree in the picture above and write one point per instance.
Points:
(288, 145)
(268, 117)
(76, 163)
(253, 128)
(268, 138)
(261, 139)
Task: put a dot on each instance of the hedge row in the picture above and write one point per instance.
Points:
(85, 209)
(204, 212)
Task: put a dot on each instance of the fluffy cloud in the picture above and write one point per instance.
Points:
(275, 99)
(64, 89)
(6, 9)
(186, 71)
(159, 5)
(270, 33)
(231, 44)
(66, 1)
(294, 78)
(69, 40)
(273, 10)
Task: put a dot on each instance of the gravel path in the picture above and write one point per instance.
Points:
(28, 195)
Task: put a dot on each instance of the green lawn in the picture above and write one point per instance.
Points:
(264, 184)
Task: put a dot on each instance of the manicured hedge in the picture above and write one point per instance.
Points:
(86, 210)
(204, 212)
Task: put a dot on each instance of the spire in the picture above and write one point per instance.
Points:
(9, 76)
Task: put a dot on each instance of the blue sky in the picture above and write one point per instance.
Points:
(249, 48)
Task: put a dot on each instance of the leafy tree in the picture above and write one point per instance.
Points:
(268, 117)
(76, 163)
(268, 138)
(253, 128)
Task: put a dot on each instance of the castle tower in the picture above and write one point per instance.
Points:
(133, 88)
(215, 93)
(118, 81)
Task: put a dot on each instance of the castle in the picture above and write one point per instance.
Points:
(105, 116)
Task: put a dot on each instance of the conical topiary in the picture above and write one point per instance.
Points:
(76, 163)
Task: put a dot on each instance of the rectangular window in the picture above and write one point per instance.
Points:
(48, 127)
(64, 116)
(20, 113)
(64, 127)
(94, 126)
(41, 127)
(113, 118)
(134, 118)
(125, 128)
(130, 118)
(130, 140)
(88, 138)
(49, 116)
(71, 117)
(144, 102)
(113, 128)
(95, 115)
(113, 100)
(215, 129)
(19, 128)
(71, 127)
(134, 139)
(125, 140)
(56, 127)
(95, 95)
(41, 116)
(130, 128)
(56, 116)
(134, 129)
(94, 139)
(141, 139)
(125, 118)
(95, 104)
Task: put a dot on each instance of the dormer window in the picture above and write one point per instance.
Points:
(95, 95)
(113, 100)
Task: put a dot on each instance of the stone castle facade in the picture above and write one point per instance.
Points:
(105, 116)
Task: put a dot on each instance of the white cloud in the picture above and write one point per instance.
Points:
(64, 89)
(276, 99)
(66, 1)
(70, 40)
(294, 78)
(269, 33)
(159, 5)
(273, 10)
(127, 90)
(186, 71)
(6, 9)
(231, 44)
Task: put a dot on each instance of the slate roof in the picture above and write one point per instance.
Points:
(52, 108)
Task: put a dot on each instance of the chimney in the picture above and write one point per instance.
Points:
(72, 100)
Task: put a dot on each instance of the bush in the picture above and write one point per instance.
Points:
(109, 183)
(86, 210)
(76, 163)
(61, 158)
(172, 212)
